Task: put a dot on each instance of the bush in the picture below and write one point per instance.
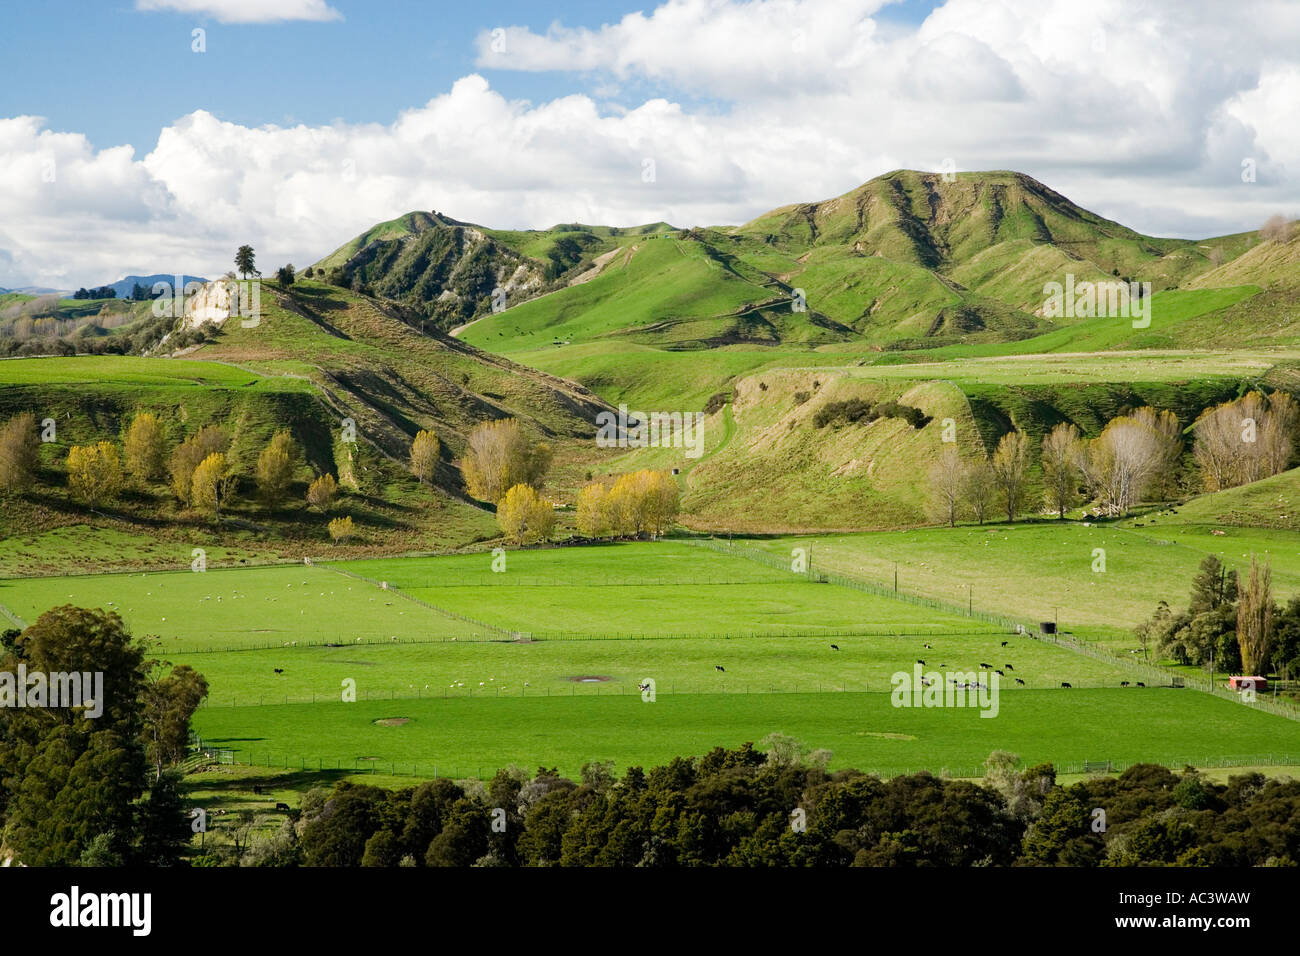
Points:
(855, 410)
(715, 402)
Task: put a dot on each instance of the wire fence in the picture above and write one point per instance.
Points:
(1274, 705)
(384, 585)
(13, 618)
(866, 587)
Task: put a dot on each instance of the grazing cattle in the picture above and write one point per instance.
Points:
(919, 661)
(1140, 684)
(1008, 667)
(999, 673)
(926, 682)
(283, 806)
(1020, 682)
(719, 667)
(279, 670)
(927, 647)
(986, 666)
(1004, 643)
(1123, 683)
(1064, 684)
(835, 647)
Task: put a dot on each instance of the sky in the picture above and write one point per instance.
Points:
(144, 136)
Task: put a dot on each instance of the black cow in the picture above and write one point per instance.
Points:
(1004, 643)
(257, 788)
(279, 670)
(1008, 667)
(1020, 682)
(719, 667)
(1123, 683)
(919, 661)
(283, 806)
(1064, 684)
(835, 647)
(986, 666)
(1140, 684)
(999, 673)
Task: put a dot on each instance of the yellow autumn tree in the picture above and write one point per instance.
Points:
(94, 472)
(593, 510)
(20, 452)
(342, 529)
(499, 456)
(189, 454)
(144, 447)
(322, 492)
(213, 484)
(524, 515)
(424, 456)
(275, 468)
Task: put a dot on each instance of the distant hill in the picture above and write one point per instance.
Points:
(123, 287)
(449, 270)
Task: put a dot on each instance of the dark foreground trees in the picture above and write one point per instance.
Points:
(746, 808)
(76, 784)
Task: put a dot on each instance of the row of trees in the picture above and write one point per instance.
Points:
(198, 471)
(1239, 441)
(736, 808)
(1231, 625)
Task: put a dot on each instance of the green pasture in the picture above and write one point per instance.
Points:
(678, 665)
(464, 737)
(131, 370)
(247, 607)
(647, 590)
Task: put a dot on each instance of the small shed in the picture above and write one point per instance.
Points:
(1242, 683)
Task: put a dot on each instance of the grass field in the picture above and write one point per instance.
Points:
(133, 371)
(466, 737)
(472, 700)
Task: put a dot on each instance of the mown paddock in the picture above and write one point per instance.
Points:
(463, 737)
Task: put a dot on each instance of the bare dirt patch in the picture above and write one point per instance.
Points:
(589, 679)
(392, 721)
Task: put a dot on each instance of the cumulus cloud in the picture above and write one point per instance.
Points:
(1141, 111)
(247, 11)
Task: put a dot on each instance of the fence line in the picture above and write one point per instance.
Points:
(14, 618)
(1274, 706)
(856, 584)
(383, 585)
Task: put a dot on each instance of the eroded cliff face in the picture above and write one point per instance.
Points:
(219, 300)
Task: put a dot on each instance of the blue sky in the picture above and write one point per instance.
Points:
(122, 74)
(123, 151)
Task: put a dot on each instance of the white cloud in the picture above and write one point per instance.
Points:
(1141, 111)
(247, 11)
